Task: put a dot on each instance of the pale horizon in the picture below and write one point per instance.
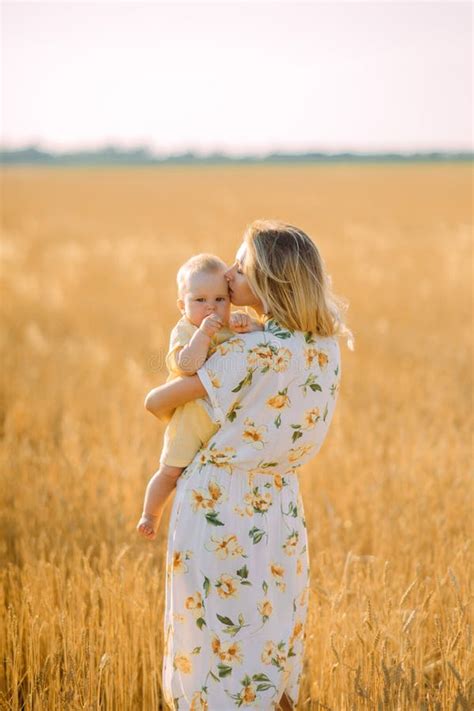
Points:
(238, 78)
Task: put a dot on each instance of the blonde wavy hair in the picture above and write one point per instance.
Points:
(286, 272)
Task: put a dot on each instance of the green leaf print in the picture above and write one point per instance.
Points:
(260, 677)
(206, 585)
(277, 422)
(201, 622)
(224, 670)
(310, 382)
(245, 381)
(296, 435)
(265, 587)
(256, 534)
(272, 326)
(232, 414)
(308, 337)
(264, 687)
(212, 518)
(325, 414)
(232, 628)
(196, 650)
(243, 572)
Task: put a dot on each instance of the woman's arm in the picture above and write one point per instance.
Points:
(172, 394)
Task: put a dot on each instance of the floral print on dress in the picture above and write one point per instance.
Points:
(237, 563)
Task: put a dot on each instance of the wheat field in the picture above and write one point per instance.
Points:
(89, 258)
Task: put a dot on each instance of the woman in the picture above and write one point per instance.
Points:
(237, 567)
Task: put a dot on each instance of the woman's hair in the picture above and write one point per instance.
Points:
(286, 271)
(203, 262)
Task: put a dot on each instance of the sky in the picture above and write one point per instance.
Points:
(237, 77)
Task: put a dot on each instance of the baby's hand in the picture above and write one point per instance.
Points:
(147, 526)
(211, 325)
(243, 323)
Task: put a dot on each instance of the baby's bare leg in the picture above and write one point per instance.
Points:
(157, 492)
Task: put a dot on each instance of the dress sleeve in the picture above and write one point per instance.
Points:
(242, 370)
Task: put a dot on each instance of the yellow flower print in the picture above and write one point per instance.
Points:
(310, 354)
(214, 490)
(177, 564)
(298, 631)
(278, 572)
(195, 604)
(218, 457)
(281, 360)
(231, 652)
(229, 545)
(253, 434)
(198, 702)
(278, 481)
(278, 402)
(323, 359)
(215, 643)
(248, 695)
(233, 345)
(260, 357)
(310, 418)
(260, 502)
(265, 608)
(182, 662)
(178, 618)
(247, 511)
(291, 542)
(299, 566)
(274, 654)
(267, 653)
(200, 501)
(299, 452)
(214, 379)
(226, 586)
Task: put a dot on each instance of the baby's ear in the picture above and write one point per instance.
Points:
(180, 305)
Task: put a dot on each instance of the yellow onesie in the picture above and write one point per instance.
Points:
(190, 425)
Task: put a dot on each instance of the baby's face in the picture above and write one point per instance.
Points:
(206, 293)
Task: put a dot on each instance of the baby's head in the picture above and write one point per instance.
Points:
(203, 289)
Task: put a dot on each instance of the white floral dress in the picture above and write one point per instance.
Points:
(237, 564)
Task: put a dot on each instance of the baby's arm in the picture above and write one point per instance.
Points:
(173, 394)
(242, 323)
(192, 356)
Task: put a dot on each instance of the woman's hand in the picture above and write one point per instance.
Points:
(164, 398)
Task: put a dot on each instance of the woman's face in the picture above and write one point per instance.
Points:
(239, 288)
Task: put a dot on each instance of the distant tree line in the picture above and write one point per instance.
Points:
(112, 155)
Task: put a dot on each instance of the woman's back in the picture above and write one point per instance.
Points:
(237, 558)
(274, 393)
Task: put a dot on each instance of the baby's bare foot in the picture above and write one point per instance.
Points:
(148, 525)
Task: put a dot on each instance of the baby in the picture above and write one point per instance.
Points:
(207, 321)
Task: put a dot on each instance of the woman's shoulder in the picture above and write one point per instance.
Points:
(300, 340)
